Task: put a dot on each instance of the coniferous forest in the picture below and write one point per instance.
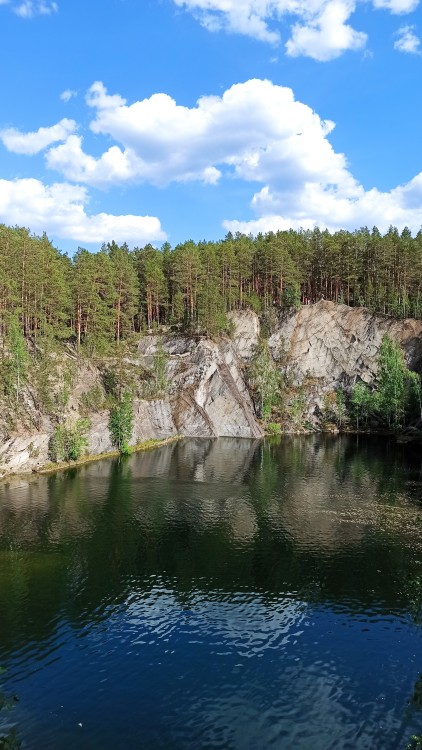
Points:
(106, 296)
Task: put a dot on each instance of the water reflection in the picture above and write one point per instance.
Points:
(218, 593)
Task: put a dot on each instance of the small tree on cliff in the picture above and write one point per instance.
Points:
(18, 355)
(361, 401)
(396, 384)
(120, 423)
(264, 380)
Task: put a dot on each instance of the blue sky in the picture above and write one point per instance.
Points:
(147, 120)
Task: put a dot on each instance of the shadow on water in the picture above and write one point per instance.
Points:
(263, 545)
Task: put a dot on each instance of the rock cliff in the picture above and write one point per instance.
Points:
(206, 396)
(327, 346)
(321, 347)
(336, 343)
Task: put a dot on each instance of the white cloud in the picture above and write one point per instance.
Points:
(318, 28)
(328, 35)
(407, 41)
(397, 6)
(256, 132)
(67, 95)
(31, 8)
(317, 205)
(32, 143)
(248, 17)
(60, 210)
(251, 131)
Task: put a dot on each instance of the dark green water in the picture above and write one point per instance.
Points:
(216, 594)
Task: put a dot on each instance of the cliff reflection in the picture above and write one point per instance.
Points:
(328, 520)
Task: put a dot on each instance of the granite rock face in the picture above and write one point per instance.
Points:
(206, 397)
(322, 346)
(326, 346)
(23, 453)
(337, 343)
(207, 394)
(246, 332)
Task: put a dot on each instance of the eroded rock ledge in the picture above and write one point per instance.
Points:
(325, 343)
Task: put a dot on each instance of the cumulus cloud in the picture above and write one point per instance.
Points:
(60, 210)
(67, 95)
(407, 41)
(317, 205)
(33, 143)
(328, 35)
(256, 132)
(397, 6)
(31, 8)
(318, 28)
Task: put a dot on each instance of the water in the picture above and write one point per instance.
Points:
(216, 594)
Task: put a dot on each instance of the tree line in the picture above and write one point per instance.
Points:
(106, 296)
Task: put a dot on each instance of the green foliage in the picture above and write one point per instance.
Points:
(415, 393)
(334, 408)
(160, 370)
(269, 322)
(18, 355)
(7, 382)
(110, 381)
(53, 377)
(290, 297)
(65, 374)
(295, 408)
(361, 402)
(391, 382)
(397, 388)
(92, 400)
(273, 428)
(69, 441)
(264, 380)
(120, 423)
(253, 301)
(101, 298)
(397, 395)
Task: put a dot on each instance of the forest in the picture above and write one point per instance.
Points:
(95, 298)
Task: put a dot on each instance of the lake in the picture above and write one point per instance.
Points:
(216, 594)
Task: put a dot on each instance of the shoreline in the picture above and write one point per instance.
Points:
(52, 468)
(147, 445)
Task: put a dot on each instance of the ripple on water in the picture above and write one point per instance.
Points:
(233, 596)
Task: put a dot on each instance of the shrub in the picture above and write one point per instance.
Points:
(69, 441)
(264, 380)
(120, 423)
(361, 402)
(92, 400)
(334, 408)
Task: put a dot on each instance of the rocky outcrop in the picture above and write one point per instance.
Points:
(246, 332)
(338, 343)
(327, 346)
(207, 394)
(321, 347)
(23, 453)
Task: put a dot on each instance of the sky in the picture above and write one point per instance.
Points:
(167, 120)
